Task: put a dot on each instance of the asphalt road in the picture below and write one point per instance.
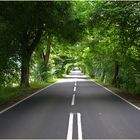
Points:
(73, 108)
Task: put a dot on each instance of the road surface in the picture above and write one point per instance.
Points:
(73, 108)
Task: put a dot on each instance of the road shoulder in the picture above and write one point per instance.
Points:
(132, 98)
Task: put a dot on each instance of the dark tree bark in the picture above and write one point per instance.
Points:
(26, 53)
(103, 75)
(116, 73)
(46, 54)
(25, 64)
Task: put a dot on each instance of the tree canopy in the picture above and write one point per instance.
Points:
(39, 40)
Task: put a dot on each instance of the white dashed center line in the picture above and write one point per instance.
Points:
(73, 100)
(74, 89)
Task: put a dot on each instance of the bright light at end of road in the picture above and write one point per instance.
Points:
(74, 75)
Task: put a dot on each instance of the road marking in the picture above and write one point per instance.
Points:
(70, 127)
(118, 96)
(75, 83)
(73, 100)
(74, 89)
(79, 126)
(6, 109)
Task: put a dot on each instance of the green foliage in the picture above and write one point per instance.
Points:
(25, 24)
(68, 68)
(50, 38)
(8, 59)
(114, 47)
(7, 93)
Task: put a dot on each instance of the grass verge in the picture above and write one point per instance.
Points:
(11, 95)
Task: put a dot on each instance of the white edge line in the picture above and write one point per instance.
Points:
(74, 89)
(70, 127)
(6, 109)
(73, 99)
(79, 126)
(118, 96)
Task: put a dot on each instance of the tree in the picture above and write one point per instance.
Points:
(121, 19)
(33, 20)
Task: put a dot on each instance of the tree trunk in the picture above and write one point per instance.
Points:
(46, 54)
(25, 70)
(116, 74)
(27, 50)
(103, 76)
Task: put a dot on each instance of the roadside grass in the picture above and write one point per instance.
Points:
(102, 83)
(43, 84)
(108, 85)
(121, 90)
(7, 94)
